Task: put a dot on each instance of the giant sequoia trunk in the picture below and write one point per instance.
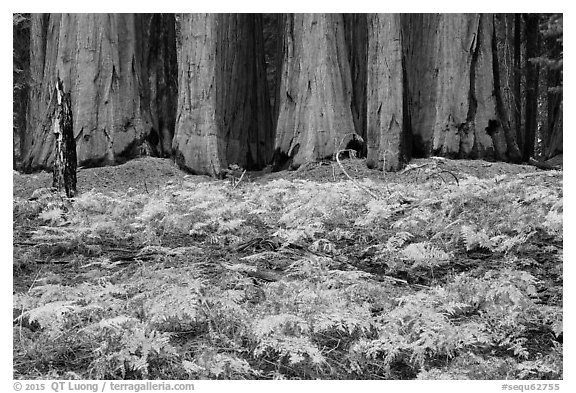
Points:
(506, 92)
(356, 31)
(158, 46)
(532, 70)
(315, 116)
(20, 72)
(454, 94)
(418, 84)
(99, 58)
(37, 123)
(224, 114)
(554, 143)
(518, 79)
(387, 126)
(554, 139)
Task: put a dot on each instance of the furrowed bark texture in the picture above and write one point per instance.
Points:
(161, 69)
(20, 83)
(420, 32)
(554, 145)
(532, 70)
(272, 31)
(356, 31)
(315, 116)
(96, 56)
(453, 92)
(224, 114)
(507, 101)
(386, 131)
(554, 138)
(38, 98)
(518, 79)
(117, 68)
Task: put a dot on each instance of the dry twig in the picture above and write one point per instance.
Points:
(360, 186)
(239, 180)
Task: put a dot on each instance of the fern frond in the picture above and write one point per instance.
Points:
(425, 254)
(395, 242)
(51, 316)
(475, 239)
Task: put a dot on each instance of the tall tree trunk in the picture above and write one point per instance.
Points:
(505, 91)
(161, 68)
(356, 32)
(38, 97)
(554, 129)
(419, 32)
(94, 54)
(224, 114)
(272, 31)
(451, 79)
(315, 118)
(98, 58)
(388, 142)
(532, 71)
(518, 79)
(554, 145)
(20, 74)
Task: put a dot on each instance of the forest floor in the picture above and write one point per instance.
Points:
(449, 269)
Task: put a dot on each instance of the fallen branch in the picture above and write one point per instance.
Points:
(410, 168)
(239, 180)
(544, 165)
(439, 174)
(360, 186)
(455, 178)
(541, 173)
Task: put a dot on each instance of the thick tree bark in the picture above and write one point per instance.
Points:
(451, 73)
(272, 31)
(506, 93)
(315, 116)
(64, 171)
(419, 32)
(224, 114)
(158, 48)
(356, 32)
(518, 79)
(554, 145)
(387, 131)
(20, 73)
(554, 129)
(38, 95)
(100, 58)
(532, 71)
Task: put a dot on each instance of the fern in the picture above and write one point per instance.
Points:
(505, 243)
(218, 365)
(475, 239)
(378, 212)
(51, 316)
(425, 254)
(53, 215)
(286, 324)
(295, 350)
(131, 351)
(193, 309)
(395, 242)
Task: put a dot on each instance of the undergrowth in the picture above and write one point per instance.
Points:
(293, 279)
